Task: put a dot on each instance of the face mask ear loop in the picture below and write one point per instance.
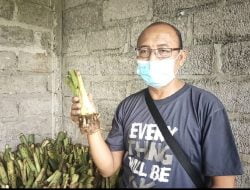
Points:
(177, 56)
(175, 63)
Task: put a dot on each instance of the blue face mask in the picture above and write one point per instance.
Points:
(156, 73)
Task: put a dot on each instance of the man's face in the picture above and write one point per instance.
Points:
(161, 36)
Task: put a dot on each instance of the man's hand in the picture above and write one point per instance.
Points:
(88, 123)
(75, 109)
(109, 162)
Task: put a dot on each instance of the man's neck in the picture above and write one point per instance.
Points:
(167, 90)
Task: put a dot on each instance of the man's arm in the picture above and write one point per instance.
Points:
(106, 161)
(223, 182)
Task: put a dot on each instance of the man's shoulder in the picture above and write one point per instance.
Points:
(132, 98)
(204, 96)
(202, 91)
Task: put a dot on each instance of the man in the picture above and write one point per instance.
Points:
(195, 118)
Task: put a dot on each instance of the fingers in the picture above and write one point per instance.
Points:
(75, 113)
(75, 99)
(75, 109)
(76, 106)
(75, 119)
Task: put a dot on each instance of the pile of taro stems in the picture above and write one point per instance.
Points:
(53, 163)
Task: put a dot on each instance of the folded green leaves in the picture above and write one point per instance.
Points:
(75, 83)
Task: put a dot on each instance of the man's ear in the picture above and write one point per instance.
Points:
(182, 58)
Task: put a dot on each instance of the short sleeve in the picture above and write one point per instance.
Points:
(220, 155)
(115, 138)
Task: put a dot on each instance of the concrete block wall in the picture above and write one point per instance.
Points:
(30, 73)
(40, 40)
(99, 39)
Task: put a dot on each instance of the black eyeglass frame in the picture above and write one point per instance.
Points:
(171, 50)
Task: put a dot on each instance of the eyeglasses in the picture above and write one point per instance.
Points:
(145, 52)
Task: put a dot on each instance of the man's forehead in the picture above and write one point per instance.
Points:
(158, 35)
(159, 27)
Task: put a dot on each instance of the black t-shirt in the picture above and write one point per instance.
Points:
(196, 119)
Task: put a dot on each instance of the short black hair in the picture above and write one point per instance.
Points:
(177, 32)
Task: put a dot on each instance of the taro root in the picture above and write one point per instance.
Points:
(89, 118)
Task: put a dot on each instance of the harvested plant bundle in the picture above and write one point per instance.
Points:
(53, 163)
(89, 119)
(75, 82)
